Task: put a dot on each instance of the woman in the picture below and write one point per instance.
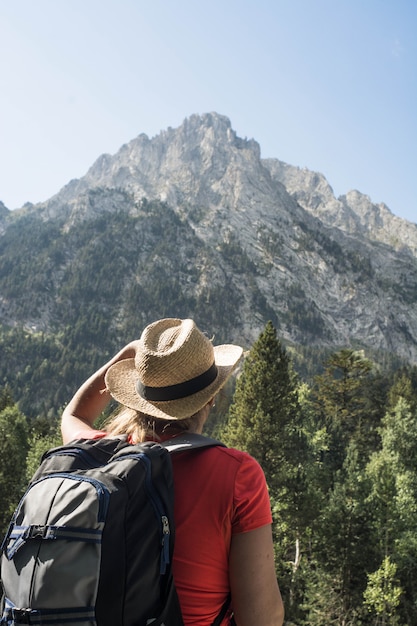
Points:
(166, 383)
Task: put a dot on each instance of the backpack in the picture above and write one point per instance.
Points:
(91, 541)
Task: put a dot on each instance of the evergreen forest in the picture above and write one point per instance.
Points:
(339, 451)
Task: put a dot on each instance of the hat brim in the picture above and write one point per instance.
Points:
(122, 377)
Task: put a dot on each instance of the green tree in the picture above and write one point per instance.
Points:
(342, 543)
(392, 471)
(14, 432)
(265, 420)
(39, 443)
(383, 593)
(404, 386)
(346, 429)
(342, 398)
(264, 405)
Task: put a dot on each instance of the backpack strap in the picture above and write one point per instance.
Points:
(190, 441)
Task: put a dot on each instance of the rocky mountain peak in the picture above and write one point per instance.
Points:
(185, 160)
(253, 239)
(204, 162)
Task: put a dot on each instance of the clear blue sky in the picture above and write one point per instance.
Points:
(325, 84)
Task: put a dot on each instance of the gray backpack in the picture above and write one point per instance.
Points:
(91, 541)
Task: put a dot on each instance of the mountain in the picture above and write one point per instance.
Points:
(193, 222)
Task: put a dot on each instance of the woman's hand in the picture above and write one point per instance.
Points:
(91, 398)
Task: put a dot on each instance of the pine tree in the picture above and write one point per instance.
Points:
(342, 400)
(342, 539)
(347, 422)
(265, 421)
(264, 404)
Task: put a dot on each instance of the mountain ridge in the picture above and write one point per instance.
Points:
(327, 271)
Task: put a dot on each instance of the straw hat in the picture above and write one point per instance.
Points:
(175, 372)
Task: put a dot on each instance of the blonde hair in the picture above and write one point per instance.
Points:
(140, 427)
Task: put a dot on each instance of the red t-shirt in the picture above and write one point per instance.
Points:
(218, 492)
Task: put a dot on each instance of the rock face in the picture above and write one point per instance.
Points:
(267, 239)
(354, 213)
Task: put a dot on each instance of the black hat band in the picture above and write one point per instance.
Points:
(178, 391)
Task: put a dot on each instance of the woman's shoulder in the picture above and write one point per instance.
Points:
(237, 460)
(237, 455)
(240, 456)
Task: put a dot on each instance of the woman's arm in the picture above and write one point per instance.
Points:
(91, 398)
(256, 597)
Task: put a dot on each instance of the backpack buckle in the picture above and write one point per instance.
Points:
(37, 530)
(22, 616)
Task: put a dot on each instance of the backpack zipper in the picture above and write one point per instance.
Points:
(90, 460)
